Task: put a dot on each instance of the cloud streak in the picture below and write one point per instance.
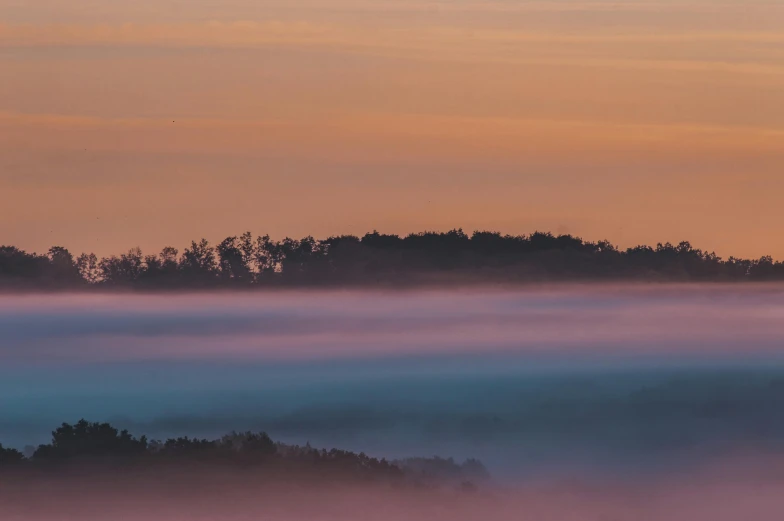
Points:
(430, 44)
(325, 325)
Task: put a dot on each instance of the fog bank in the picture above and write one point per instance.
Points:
(627, 379)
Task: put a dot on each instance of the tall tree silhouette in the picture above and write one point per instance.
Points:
(198, 263)
(234, 265)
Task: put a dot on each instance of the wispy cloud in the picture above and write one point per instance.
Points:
(429, 43)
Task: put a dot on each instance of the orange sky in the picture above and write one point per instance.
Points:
(154, 122)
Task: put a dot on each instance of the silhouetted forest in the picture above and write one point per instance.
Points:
(100, 446)
(376, 259)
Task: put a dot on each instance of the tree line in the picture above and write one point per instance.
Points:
(100, 445)
(246, 261)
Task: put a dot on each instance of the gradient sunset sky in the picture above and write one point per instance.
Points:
(154, 122)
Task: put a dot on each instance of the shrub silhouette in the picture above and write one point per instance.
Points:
(90, 440)
(10, 457)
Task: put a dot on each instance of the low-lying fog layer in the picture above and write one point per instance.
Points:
(534, 383)
(727, 492)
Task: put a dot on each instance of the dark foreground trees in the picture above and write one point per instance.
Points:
(10, 457)
(376, 259)
(90, 441)
(101, 447)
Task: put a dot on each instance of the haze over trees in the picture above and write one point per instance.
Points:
(424, 258)
(100, 446)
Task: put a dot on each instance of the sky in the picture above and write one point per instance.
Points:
(151, 123)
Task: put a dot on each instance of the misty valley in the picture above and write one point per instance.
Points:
(423, 404)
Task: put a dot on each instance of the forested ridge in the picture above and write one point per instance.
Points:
(97, 446)
(247, 261)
